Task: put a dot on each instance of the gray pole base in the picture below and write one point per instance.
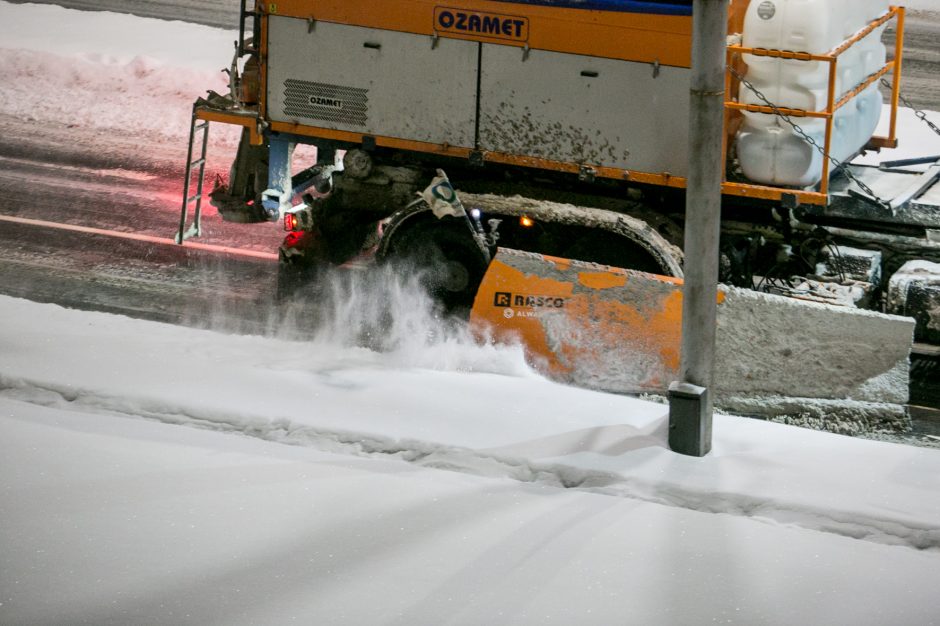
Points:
(690, 421)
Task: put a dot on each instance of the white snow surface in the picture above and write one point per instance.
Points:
(923, 5)
(109, 71)
(165, 475)
(158, 474)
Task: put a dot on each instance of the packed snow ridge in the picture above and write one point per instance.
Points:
(891, 530)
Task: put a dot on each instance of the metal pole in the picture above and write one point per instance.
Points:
(690, 399)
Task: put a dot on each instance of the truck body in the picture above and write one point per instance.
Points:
(565, 126)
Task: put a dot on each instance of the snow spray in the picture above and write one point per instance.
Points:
(387, 309)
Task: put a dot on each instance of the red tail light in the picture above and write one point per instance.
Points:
(290, 221)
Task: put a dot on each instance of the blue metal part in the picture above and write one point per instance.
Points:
(662, 7)
(282, 185)
(280, 150)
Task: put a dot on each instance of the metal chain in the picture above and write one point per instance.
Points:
(920, 114)
(812, 142)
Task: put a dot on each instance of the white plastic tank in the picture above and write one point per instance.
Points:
(769, 150)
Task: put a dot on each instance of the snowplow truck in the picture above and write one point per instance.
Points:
(563, 126)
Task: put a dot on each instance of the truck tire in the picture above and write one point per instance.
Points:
(449, 263)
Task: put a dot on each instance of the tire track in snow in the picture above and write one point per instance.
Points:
(908, 533)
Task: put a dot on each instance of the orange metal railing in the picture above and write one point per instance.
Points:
(832, 58)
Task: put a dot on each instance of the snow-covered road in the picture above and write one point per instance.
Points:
(93, 122)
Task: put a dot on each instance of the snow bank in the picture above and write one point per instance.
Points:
(480, 411)
(113, 38)
(108, 71)
(563, 506)
(110, 520)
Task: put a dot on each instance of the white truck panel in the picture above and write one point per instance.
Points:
(371, 81)
(581, 109)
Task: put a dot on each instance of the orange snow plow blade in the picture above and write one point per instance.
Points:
(618, 330)
(582, 323)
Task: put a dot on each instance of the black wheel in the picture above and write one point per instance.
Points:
(449, 262)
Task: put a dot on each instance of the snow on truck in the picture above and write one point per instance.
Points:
(564, 126)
